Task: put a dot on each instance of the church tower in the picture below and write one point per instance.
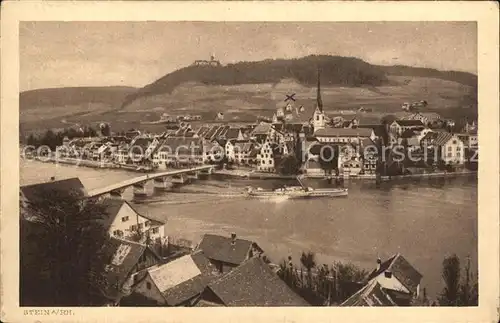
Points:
(319, 115)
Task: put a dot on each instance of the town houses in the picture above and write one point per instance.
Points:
(292, 131)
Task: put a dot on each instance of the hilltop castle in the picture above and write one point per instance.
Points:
(211, 62)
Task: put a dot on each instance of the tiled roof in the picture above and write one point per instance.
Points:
(253, 283)
(243, 146)
(65, 186)
(181, 145)
(202, 131)
(408, 133)
(222, 249)
(262, 129)
(343, 132)
(232, 133)
(371, 295)
(442, 138)
(122, 255)
(211, 132)
(402, 270)
(144, 143)
(185, 289)
(410, 123)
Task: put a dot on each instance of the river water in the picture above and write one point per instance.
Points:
(424, 220)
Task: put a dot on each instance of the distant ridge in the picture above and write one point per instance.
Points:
(464, 78)
(67, 96)
(335, 70)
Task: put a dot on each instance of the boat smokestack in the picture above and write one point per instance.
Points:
(233, 238)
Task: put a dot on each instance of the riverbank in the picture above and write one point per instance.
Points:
(373, 177)
(252, 174)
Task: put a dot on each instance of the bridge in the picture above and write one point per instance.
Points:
(138, 182)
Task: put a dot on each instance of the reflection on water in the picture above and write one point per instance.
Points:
(423, 219)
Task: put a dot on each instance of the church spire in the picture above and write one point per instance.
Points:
(318, 95)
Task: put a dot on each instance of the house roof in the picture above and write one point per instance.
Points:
(142, 142)
(372, 294)
(442, 138)
(253, 283)
(409, 123)
(262, 129)
(408, 133)
(122, 255)
(243, 146)
(343, 132)
(222, 249)
(185, 289)
(201, 132)
(113, 206)
(65, 186)
(402, 270)
(232, 133)
(181, 145)
(209, 134)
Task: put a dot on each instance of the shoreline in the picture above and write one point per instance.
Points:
(252, 175)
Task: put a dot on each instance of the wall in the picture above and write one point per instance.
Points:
(391, 283)
(152, 293)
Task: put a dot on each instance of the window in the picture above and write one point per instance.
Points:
(454, 142)
(458, 149)
(458, 155)
(449, 154)
(125, 219)
(139, 225)
(133, 227)
(147, 223)
(148, 285)
(270, 161)
(156, 230)
(449, 148)
(317, 117)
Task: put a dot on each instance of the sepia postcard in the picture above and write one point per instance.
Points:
(249, 161)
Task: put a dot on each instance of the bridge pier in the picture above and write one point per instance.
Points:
(179, 179)
(192, 175)
(161, 183)
(117, 193)
(139, 189)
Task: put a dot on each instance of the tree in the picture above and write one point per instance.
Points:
(451, 277)
(289, 165)
(308, 260)
(328, 158)
(67, 267)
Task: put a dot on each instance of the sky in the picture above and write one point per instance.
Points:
(63, 54)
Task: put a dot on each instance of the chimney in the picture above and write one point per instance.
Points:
(233, 238)
(379, 262)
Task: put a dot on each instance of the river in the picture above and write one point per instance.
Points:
(423, 220)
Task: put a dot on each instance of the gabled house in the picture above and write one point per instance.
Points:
(226, 253)
(179, 282)
(343, 135)
(178, 151)
(398, 278)
(372, 294)
(239, 151)
(125, 262)
(212, 152)
(397, 127)
(450, 149)
(123, 221)
(253, 283)
(266, 157)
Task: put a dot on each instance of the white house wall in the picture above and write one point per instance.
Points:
(152, 293)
